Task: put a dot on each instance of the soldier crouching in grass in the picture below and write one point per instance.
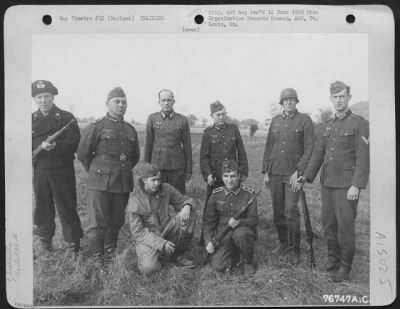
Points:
(224, 203)
(154, 232)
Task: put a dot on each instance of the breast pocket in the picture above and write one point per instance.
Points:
(296, 135)
(108, 140)
(214, 143)
(346, 137)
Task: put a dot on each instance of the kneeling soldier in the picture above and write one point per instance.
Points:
(153, 230)
(222, 206)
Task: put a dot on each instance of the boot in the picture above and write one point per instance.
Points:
(110, 246)
(293, 255)
(249, 269)
(343, 273)
(333, 262)
(281, 248)
(180, 261)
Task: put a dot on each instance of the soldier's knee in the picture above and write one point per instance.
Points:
(241, 233)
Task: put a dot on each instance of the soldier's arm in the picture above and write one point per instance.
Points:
(317, 158)
(136, 150)
(148, 140)
(210, 220)
(187, 146)
(308, 144)
(242, 157)
(87, 146)
(267, 150)
(69, 140)
(177, 199)
(205, 155)
(361, 172)
(251, 217)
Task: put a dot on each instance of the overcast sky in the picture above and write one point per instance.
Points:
(246, 72)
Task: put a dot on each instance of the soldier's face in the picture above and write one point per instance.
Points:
(289, 104)
(166, 101)
(117, 106)
(152, 184)
(340, 100)
(44, 101)
(231, 180)
(219, 117)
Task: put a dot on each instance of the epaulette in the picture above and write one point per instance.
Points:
(97, 120)
(356, 116)
(247, 188)
(128, 123)
(219, 189)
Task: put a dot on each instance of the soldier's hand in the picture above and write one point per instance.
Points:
(300, 182)
(169, 247)
(266, 179)
(353, 193)
(293, 181)
(48, 146)
(185, 212)
(233, 223)
(210, 180)
(188, 177)
(210, 247)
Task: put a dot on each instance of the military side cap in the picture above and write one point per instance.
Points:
(117, 92)
(338, 86)
(230, 166)
(216, 106)
(43, 86)
(288, 93)
(148, 169)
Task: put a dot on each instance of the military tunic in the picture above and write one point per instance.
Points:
(108, 150)
(54, 176)
(222, 206)
(288, 148)
(168, 145)
(342, 149)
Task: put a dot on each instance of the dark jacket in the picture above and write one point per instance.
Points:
(66, 143)
(108, 150)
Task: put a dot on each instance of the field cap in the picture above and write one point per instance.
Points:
(288, 93)
(148, 170)
(117, 92)
(338, 86)
(216, 106)
(43, 86)
(230, 166)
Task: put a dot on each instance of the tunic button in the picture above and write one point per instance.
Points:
(283, 142)
(282, 150)
(332, 148)
(330, 158)
(98, 171)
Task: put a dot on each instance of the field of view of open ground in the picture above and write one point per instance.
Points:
(60, 280)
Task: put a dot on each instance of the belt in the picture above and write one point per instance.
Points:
(120, 158)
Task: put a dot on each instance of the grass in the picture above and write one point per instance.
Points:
(60, 280)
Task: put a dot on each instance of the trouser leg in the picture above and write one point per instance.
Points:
(62, 182)
(278, 206)
(293, 216)
(44, 211)
(222, 257)
(175, 178)
(244, 237)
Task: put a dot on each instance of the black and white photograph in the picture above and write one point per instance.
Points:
(200, 156)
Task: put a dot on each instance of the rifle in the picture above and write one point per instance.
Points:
(218, 238)
(51, 139)
(307, 223)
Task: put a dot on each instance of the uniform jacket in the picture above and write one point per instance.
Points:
(342, 149)
(219, 144)
(148, 214)
(223, 205)
(66, 143)
(289, 144)
(167, 142)
(108, 150)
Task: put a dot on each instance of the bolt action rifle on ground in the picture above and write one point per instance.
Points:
(307, 223)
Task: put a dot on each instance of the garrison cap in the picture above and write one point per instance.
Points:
(148, 169)
(338, 86)
(230, 166)
(288, 93)
(216, 106)
(117, 92)
(43, 86)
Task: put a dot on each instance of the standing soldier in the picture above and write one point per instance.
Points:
(53, 169)
(224, 203)
(287, 152)
(109, 149)
(343, 151)
(168, 143)
(221, 141)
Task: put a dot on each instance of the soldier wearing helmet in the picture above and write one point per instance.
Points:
(287, 152)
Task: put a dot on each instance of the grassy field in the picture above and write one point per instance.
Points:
(61, 280)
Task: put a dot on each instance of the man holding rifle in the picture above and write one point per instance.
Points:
(53, 169)
(224, 203)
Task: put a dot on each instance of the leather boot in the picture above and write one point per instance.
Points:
(333, 262)
(343, 273)
(97, 249)
(280, 249)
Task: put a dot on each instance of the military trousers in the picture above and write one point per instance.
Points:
(55, 188)
(238, 241)
(106, 216)
(175, 178)
(338, 216)
(286, 209)
(176, 231)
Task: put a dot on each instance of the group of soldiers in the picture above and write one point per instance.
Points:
(109, 150)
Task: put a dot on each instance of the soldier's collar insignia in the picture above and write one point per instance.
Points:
(235, 192)
(366, 140)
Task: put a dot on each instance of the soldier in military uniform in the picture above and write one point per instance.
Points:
(168, 143)
(53, 169)
(342, 149)
(224, 203)
(287, 152)
(221, 141)
(108, 150)
(155, 232)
